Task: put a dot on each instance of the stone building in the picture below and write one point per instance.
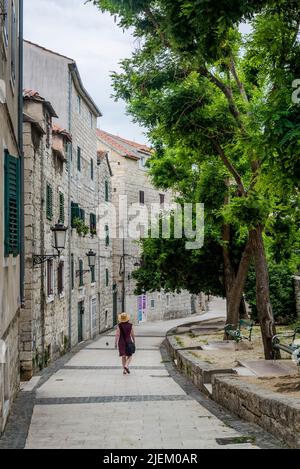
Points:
(88, 295)
(130, 178)
(44, 320)
(10, 203)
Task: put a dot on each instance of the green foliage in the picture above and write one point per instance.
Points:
(282, 293)
(81, 228)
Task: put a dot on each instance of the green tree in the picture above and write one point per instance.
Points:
(195, 82)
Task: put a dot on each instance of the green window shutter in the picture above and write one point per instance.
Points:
(81, 282)
(61, 208)
(11, 205)
(93, 275)
(107, 235)
(72, 271)
(107, 278)
(93, 222)
(92, 169)
(79, 158)
(75, 213)
(49, 202)
(106, 192)
(82, 215)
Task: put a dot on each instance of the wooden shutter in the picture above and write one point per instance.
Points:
(72, 271)
(75, 213)
(107, 235)
(106, 191)
(93, 276)
(80, 272)
(49, 202)
(93, 222)
(61, 207)
(107, 278)
(12, 205)
(79, 159)
(142, 197)
(92, 169)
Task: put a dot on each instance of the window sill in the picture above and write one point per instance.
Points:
(62, 295)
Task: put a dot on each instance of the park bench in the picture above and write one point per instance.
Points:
(238, 332)
(292, 349)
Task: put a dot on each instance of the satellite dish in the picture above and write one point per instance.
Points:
(2, 92)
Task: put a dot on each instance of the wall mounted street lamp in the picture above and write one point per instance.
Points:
(60, 235)
(91, 255)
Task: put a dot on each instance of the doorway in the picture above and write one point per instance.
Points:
(80, 321)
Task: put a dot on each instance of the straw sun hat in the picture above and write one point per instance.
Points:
(124, 317)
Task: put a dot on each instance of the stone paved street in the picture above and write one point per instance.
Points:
(88, 403)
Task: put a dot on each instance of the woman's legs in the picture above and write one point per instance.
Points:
(128, 361)
(124, 361)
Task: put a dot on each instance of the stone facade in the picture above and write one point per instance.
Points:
(44, 320)
(85, 307)
(130, 179)
(10, 298)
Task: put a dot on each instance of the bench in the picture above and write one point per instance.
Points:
(236, 332)
(292, 349)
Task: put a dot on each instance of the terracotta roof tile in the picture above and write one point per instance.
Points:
(126, 147)
(56, 129)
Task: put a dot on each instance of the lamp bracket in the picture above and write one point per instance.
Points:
(39, 259)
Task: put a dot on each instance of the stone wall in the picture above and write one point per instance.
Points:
(9, 266)
(278, 414)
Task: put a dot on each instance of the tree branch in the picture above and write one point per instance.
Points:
(229, 166)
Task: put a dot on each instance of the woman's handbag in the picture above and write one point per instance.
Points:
(130, 349)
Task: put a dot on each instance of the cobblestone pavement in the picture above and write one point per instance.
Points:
(86, 402)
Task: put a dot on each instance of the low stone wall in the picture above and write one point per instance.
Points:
(200, 373)
(279, 415)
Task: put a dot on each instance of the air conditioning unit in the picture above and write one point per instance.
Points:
(2, 92)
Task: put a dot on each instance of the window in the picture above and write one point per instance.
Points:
(72, 272)
(143, 162)
(13, 35)
(48, 130)
(5, 22)
(79, 104)
(106, 191)
(79, 158)
(91, 120)
(106, 277)
(11, 205)
(107, 235)
(60, 277)
(168, 300)
(61, 208)
(93, 223)
(50, 278)
(152, 304)
(106, 319)
(81, 279)
(49, 202)
(93, 274)
(142, 197)
(161, 199)
(92, 169)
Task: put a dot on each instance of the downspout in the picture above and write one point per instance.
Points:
(70, 152)
(21, 155)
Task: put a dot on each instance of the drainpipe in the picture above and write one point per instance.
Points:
(69, 209)
(21, 155)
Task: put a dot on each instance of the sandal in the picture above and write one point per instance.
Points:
(127, 370)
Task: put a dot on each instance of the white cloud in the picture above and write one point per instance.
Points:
(97, 44)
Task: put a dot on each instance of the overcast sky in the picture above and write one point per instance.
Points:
(92, 38)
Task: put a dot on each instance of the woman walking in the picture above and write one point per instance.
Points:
(125, 340)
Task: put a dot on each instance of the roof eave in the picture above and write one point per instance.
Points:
(79, 85)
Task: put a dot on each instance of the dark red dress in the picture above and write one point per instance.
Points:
(125, 337)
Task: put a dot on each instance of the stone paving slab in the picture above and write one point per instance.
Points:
(100, 426)
(77, 383)
(265, 368)
(111, 358)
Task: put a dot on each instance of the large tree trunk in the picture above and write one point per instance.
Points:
(263, 303)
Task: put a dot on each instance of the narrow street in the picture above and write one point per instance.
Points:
(90, 404)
